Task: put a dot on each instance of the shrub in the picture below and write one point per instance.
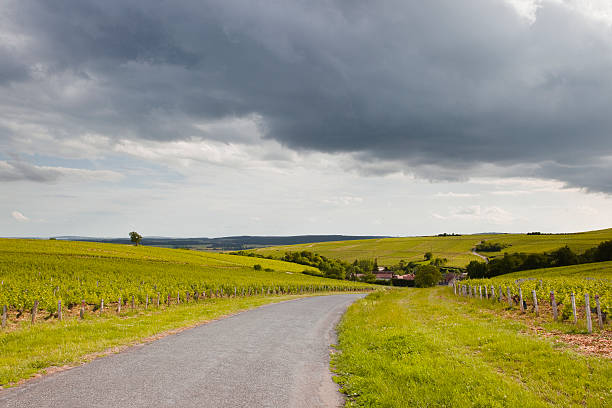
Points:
(257, 267)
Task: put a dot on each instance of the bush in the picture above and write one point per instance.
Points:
(257, 267)
(427, 276)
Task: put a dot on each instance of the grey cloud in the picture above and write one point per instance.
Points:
(436, 89)
(18, 170)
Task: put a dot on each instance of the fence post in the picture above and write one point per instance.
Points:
(101, 305)
(234, 291)
(82, 312)
(553, 302)
(133, 304)
(493, 292)
(59, 310)
(119, 305)
(34, 311)
(500, 293)
(455, 287)
(486, 292)
(587, 305)
(4, 316)
(574, 308)
(535, 303)
(158, 300)
(521, 299)
(599, 317)
(147, 302)
(178, 297)
(509, 298)
(480, 291)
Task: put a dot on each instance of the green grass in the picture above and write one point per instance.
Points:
(456, 249)
(32, 349)
(426, 348)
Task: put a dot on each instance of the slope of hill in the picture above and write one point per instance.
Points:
(48, 271)
(457, 249)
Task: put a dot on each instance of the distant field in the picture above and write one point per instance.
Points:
(456, 249)
(597, 270)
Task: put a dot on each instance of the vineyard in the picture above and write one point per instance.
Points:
(565, 291)
(44, 273)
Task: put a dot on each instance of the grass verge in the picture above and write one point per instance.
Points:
(420, 348)
(32, 350)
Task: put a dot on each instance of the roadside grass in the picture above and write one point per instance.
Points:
(34, 349)
(421, 348)
(457, 249)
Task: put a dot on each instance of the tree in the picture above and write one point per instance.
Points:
(428, 256)
(135, 237)
(477, 270)
(427, 276)
(564, 256)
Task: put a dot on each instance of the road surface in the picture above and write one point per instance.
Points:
(273, 356)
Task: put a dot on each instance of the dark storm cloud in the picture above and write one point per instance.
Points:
(438, 87)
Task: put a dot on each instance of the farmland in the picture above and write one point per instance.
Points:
(457, 249)
(427, 347)
(125, 294)
(49, 271)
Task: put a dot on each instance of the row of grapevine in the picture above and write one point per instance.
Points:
(565, 296)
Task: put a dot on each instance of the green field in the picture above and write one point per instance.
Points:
(48, 271)
(429, 348)
(457, 249)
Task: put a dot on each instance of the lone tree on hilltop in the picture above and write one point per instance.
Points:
(427, 276)
(135, 237)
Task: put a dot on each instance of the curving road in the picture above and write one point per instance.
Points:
(273, 356)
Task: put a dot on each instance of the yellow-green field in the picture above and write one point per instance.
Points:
(49, 271)
(457, 249)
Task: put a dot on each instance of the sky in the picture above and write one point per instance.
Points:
(246, 117)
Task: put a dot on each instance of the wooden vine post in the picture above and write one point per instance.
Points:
(119, 305)
(133, 303)
(101, 305)
(4, 316)
(59, 310)
(82, 312)
(535, 302)
(492, 292)
(587, 305)
(521, 299)
(486, 292)
(574, 308)
(553, 303)
(158, 300)
(34, 311)
(147, 301)
(509, 298)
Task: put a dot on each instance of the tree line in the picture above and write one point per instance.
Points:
(515, 262)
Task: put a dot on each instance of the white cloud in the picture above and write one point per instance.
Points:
(17, 170)
(492, 214)
(450, 194)
(19, 216)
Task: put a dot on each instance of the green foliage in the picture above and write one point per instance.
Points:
(135, 237)
(257, 267)
(490, 247)
(427, 276)
(428, 255)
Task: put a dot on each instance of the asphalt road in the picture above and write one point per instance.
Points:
(273, 356)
